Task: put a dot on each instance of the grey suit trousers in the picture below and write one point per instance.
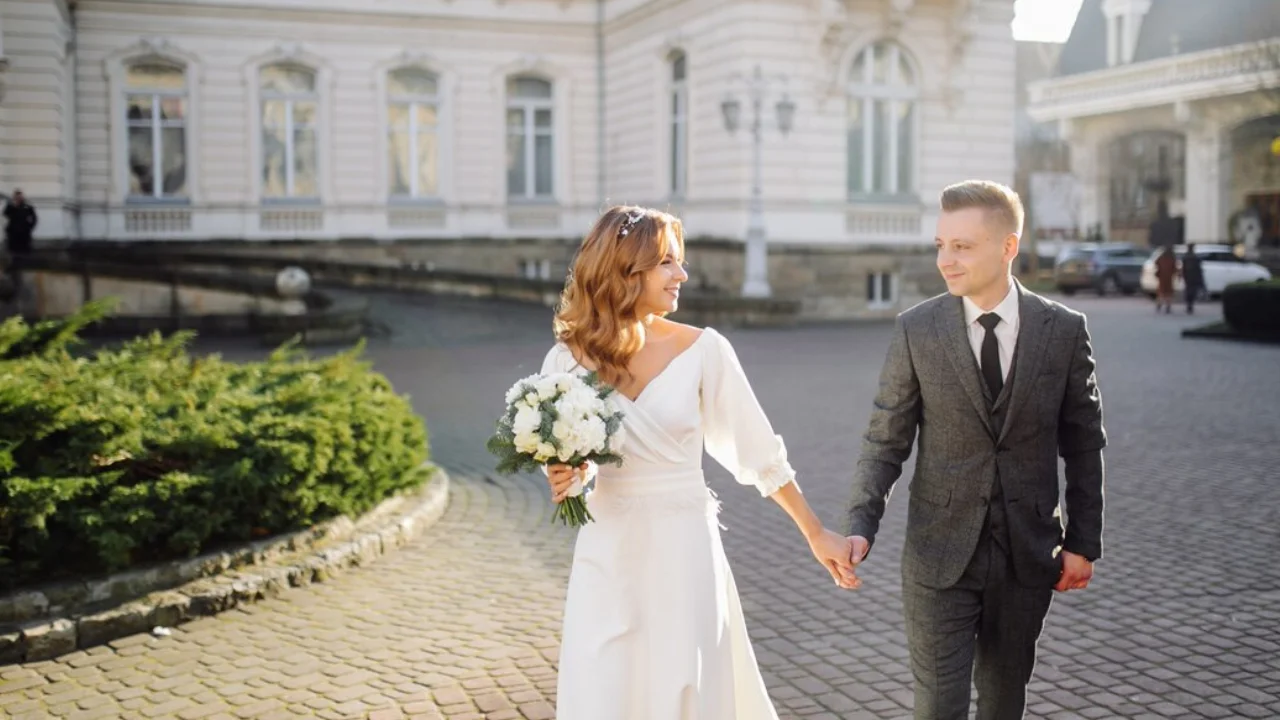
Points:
(985, 627)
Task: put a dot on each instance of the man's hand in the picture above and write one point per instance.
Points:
(858, 547)
(833, 551)
(1076, 572)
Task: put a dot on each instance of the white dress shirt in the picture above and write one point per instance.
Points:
(1006, 331)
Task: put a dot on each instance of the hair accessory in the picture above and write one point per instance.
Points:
(633, 217)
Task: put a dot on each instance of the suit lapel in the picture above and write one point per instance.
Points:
(1034, 325)
(954, 336)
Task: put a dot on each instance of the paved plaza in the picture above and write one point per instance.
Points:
(1182, 620)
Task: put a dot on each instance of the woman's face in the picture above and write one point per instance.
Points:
(661, 291)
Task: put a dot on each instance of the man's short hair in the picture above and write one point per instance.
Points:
(1001, 203)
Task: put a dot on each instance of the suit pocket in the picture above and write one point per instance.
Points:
(940, 496)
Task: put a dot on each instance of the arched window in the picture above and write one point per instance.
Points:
(883, 93)
(679, 125)
(156, 122)
(530, 138)
(290, 115)
(413, 138)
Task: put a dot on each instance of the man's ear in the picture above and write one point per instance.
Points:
(1012, 243)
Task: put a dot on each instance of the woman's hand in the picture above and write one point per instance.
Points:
(561, 478)
(835, 553)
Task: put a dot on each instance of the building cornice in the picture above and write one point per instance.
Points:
(443, 14)
(1184, 78)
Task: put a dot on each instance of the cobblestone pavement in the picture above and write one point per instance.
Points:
(1183, 619)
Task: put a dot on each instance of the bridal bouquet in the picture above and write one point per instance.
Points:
(558, 418)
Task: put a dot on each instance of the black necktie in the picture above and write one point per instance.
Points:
(990, 355)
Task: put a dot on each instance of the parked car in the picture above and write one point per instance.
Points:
(1222, 267)
(1106, 268)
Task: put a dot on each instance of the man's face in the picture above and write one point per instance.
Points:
(19, 198)
(972, 255)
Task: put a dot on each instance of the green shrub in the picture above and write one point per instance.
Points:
(1253, 308)
(140, 453)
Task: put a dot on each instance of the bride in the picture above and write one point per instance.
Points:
(653, 628)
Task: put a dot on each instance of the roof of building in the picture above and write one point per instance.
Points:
(1171, 27)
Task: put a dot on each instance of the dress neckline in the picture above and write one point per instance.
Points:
(653, 380)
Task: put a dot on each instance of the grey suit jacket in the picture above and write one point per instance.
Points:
(931, 385)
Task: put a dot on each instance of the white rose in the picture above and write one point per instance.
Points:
(595, 434)
(545, 452)
(526, 421)
(562, 430)
(514, 394)
(567, 411)
(546, 388)
(569, 436)
(531, 399)
(583, 399)
(518, 389)
(565, 382)
(527, 443)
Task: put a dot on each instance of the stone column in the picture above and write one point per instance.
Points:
(1090, 165)
(1206, 183)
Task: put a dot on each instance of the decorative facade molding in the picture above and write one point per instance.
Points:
(446, 87)
(1197, 76)
(838, 60)
(296, 54)
(964, 25)
(673, 43)
(151, 49)
(155, 48)
(537, 65)
(896, 14)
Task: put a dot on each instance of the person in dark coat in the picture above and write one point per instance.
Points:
(1192, 277)
(22, 223)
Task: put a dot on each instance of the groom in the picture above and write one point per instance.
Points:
(998, 382)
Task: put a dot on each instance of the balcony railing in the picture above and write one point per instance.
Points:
(1220, 71)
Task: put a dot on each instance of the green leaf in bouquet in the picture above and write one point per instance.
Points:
(612, 424)
(500, 445)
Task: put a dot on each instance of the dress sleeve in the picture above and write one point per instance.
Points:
(738, 434)
(554, 361)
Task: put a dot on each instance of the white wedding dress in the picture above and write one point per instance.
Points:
(653, 627)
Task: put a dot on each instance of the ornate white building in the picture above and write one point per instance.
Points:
(1172, 97)
(202, 119)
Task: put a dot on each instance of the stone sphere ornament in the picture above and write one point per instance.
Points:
(293, 282)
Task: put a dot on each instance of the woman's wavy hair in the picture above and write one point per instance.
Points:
(597, 313)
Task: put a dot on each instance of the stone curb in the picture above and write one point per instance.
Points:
(294, 560)
(330, 316)
(1220, 330)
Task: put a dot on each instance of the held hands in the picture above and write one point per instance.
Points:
(858, 549)
(561, 478)
(1076, 572)
(835, 553)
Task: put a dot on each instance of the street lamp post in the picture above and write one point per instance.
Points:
(756, 278)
